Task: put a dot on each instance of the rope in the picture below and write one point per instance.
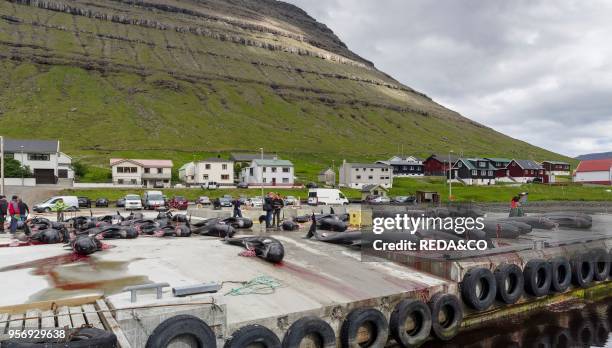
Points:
(262, 285)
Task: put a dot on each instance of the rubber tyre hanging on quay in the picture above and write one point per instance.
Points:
(311, 327)
(253, 334)
(446, 315)
(560, 274)
(81, 338)
(510, 283)
(601, 264)
(410, 311)
(537, 277)
(478, 288)
(182, 326)
(582, 270)
(358, 318)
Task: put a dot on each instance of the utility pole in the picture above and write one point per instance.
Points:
(1, 165)
(22, 165)
(450, 183)
(261, 184)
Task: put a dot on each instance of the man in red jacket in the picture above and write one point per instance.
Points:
(14, 213)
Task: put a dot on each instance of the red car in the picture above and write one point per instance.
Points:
(178, 202)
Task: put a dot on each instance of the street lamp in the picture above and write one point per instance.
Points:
(1, 165)
(261, 184)
(22, 165)
(450, 183)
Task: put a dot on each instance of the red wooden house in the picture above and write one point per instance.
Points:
(525, 170)
(438, 165)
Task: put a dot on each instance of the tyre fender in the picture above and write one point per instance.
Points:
(510, 283)
(448, 305)
(80, 338)
(478, 288)
(310, 326)
(582, 270)
(253, 334)
(537, 277)
(418, 314)
(561, 274)
(182, 325)
(601, 263)
(359, 317)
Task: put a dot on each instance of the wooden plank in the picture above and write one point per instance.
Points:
(93, 319)
(63, 317)
(3, 322)
(46, 305)
(111, 324)
(32, 318)
(76, 314)
(47, 319)
(16, 321)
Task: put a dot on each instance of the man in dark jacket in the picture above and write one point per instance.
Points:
(24, 210)
(237, 203)
(277, 204)
(268, 207)
(3, 212)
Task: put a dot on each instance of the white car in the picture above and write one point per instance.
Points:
(256, 201)
(133, 202)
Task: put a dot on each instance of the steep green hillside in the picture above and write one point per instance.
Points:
(172, 78)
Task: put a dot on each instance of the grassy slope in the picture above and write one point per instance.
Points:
(180, 96)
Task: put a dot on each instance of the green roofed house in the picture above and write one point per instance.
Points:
(473, 171)
(500, 164)
(268, 172)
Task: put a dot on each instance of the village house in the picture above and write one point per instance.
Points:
(357, 175)
(143, 172)
(553, 168)
(473, 171)
(407, 166)
(268, 172)
(209, 170)
(246, 158)
(327, 176)
(48, 164)
(525, 171)
(500, 165)
(368, 191)
(598, 171)
(438, 165)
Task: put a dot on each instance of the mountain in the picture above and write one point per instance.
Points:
(594, 156)
(172, 77)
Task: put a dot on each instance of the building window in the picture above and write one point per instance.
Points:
(286, 170)
(224, 166)
(459, 164)
(358, 177)
(120, 181)
(285, 180)
(474, 172)
(9, 155)
(370, 177)
(526, 172)
(127, 169)
(490, 173)
(483, 172)
(160, 170)
(147, 170)
(264, 180)
(482, 164)
(133, 181)
(205, 176)
(273, 169)
(264, 169)
(224, 177)
(207, 166)
(39, 157)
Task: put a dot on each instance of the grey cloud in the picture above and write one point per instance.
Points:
(539, 71)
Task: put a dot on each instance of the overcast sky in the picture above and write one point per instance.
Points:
(540, 71)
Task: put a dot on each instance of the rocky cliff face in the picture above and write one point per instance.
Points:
(155, 66)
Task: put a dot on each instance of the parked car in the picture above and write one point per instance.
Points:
(243, 199)
(101, 202)
(178, 202)
(71, 201)
(120, 203)
(84, 202)
(255, 202)
(211, 185)
(154, 200)
(132, 202)
(226, 201)
(404, 199)
(290, 200)
(243, 185)
(311, 185)
(377, 200)
(203, 200)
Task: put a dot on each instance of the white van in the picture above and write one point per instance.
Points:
(154, 200)
(326, 196)
(71, 201)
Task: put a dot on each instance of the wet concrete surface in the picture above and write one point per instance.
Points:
(573, 324)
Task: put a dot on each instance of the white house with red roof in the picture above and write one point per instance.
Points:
(146, 172)
(598, 171)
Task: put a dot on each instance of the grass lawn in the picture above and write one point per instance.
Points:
(401, 186)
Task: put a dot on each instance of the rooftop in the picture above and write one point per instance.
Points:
(595, 165)
(215, 159)
(44, 146)
(146, 163)
(528, 164)
(367, 165)
(247, 157)
(273, 162)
